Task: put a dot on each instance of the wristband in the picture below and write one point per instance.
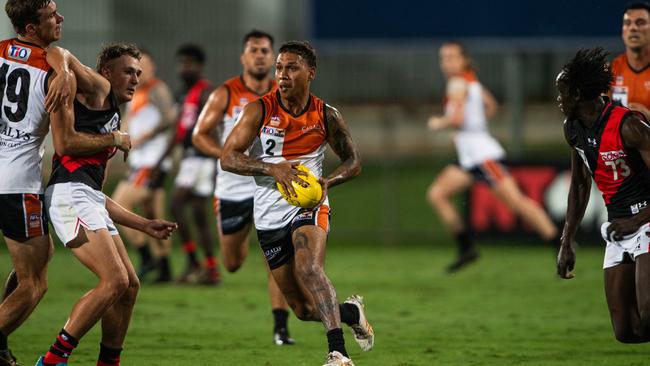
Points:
(117, 138)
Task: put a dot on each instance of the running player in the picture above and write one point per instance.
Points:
(282, 129)
(83, 217)
(149, 116)
(467, 108)
(234, 193)
(611, 144)
(195, 177)
(25, 80)
(630, 69)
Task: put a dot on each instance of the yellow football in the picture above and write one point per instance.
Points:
(308, 194)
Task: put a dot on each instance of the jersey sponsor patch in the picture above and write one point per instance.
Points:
(276, 132)
(111, 125)
(19, 53)
(637, 207)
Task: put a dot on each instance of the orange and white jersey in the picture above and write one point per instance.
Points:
(474, 144)
(230, 186)
(630, 86)
(24, 122)
(145, 116)
(282, 137)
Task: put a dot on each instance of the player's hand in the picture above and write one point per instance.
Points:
(60, 91)
(122, 140)
(160, 229)
(284, 173)
(566, 260)
(436, 123)
(622, 227)
(324, 185)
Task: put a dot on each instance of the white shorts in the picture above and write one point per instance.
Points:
(196, 173)
(633, 244)
(74, 205)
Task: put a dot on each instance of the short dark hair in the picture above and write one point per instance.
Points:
(23, 12)
(463, 51)
(302, 49)
(588, 74)
(192, 51)
(637, 5)
(257, 34)
(112, 51)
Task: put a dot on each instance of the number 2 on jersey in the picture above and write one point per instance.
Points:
(10, 91)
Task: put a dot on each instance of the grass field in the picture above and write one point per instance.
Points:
(508, 309)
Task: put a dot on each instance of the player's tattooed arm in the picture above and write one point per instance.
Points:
(577, 204)
(204, 136)
(339, 138)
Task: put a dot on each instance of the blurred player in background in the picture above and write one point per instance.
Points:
(26, 78)
(631, 84)
(83, 217)
(234, 193)
(194, 182)
(467, 108)
(611, 144)
(150, 115)
(282, 129)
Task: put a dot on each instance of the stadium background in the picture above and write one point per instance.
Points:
(378, 64)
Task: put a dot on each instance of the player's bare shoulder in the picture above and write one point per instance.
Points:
(635, 132)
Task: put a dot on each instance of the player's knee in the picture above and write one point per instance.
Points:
(309, 271)
(435, 194)
(302, 311)
(231, 264)
(117, 285)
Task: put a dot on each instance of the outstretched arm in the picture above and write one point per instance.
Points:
(157, 228)
(339, 138)
(577, 204)
(204, 135)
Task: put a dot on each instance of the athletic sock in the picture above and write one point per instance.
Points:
(464, 240)
(108, 356)
(163, 264)
(336, 342)
(3, 342)
(349, 314)
(280, 317)
(211, 262)
(145, 253)
(190, 249)
(61, 349)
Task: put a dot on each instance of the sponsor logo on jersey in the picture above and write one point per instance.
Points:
(637, 207)
(591, 141)
(19, 53)
(111, 125)
(275, 121)
(612, 155)
(13, 133)
(277, 132)
(307, 215)
(314, 127)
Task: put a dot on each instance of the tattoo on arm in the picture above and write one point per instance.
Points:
(343, 146)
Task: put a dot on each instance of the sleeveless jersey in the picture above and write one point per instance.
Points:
(230, 186)
(190, 109)
(286, 137)
(24, 122)
(474, 144)
(630, 86)
(88, 169)
(620, 173)
(144, 116)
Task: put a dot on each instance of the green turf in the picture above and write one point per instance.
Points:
(508, 309)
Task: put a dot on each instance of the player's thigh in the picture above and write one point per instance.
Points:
(129, 195)
(309, 242)
(620, 292)
(508, 192)
(234, 244)
(99, 254)
(287, 282)
(450, 181)
(30, 257)
(642, 278)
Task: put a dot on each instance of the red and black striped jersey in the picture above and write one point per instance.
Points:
(619, 172)
(88, 169)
